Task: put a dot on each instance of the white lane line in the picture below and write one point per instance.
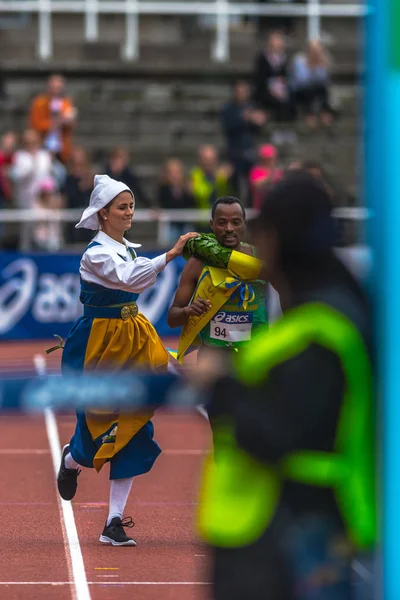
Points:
(76, 567)
(75, 553)
(202, 411)
(106, 583)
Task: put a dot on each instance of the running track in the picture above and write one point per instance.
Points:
(39, 559)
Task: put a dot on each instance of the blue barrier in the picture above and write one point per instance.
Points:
(98, 390)
(39, 295)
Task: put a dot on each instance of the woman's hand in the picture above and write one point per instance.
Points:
(180, 244)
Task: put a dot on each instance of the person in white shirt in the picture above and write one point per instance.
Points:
(113, 335)
(31, 165)
(47, 235)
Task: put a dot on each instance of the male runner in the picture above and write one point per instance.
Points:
(236, 321)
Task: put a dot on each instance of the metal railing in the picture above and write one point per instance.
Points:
(162, 219)
(313, 10)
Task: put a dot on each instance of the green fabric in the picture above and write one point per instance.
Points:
(349, 469)
(206, 248)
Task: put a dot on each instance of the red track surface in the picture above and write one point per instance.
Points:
(168, 563)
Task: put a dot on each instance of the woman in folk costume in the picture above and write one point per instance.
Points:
(112, 334)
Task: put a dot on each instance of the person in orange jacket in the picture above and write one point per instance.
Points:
(53, 116)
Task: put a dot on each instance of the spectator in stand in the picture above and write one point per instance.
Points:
(309, 82)
(174, 193)
(209, 180)
(79, 181)
(311, 166)
(7, 149)
(294, 165)
(77, 189)
(58, 172)
(264, 174)
(53, 116)
(241, 122)
(47, 235)
(272, 91)
(31, 164)
(118, 168)
(314, 168)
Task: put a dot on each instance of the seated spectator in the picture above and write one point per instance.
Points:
(58, 172)
(309, 81)
(241, 122)
(314, 168)
(294, 165)
(118, 168)
(264, 174)
(209, 180)
(31, 164)
(174, 193)
(53, 116)
(77, 189)
(8, 144)
(311, 166)
(272, 91)
(79, 181)
(47, 234)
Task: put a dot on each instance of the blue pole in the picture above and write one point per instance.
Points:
(382, 179)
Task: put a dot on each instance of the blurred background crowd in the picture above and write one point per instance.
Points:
(44, 166)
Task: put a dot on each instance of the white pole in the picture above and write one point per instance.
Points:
(313, 20)
(220, 51)
(91, 21)
(130, 51)
(45, 42)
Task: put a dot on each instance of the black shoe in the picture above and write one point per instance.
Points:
(67, 478)
(114, 532)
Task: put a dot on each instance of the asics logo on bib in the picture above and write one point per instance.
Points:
(232, 317)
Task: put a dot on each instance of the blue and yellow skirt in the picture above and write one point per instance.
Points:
(124, 439)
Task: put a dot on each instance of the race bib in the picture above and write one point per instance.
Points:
(231, 326)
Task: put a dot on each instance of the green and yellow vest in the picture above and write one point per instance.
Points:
(240, 494)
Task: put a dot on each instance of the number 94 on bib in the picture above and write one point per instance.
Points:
(231, 326)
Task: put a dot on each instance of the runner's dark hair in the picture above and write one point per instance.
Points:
(227, 200)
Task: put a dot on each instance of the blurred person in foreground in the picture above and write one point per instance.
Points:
(209, 180)
(224, 307)
(241, 122)
(291, 496)
(53, 116)
(264, 174)
(118, 167)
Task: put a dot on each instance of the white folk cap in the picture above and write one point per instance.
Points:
(105, 190)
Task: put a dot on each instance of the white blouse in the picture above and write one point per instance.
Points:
(112, 266)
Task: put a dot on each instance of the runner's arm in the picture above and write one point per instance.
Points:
(181, 309)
